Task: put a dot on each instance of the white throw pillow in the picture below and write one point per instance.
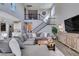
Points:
(4, 34)
(15, 47)
(43, 34)
(33, 34)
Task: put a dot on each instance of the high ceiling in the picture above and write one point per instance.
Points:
(38, 5)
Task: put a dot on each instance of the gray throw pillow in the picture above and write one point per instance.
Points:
(42, 35)
(48, 35)
(20, 42)
(19, 37)
(38, 34)
(25, 37)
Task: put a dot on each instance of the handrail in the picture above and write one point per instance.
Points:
(42, 28)
(42, 16)
(38, 26)
(38, 17)
(43, 22)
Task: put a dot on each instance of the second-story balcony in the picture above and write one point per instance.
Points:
(33, 17)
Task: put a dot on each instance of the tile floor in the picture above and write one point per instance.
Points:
(36, 50)
(66, 50)
(56, 53)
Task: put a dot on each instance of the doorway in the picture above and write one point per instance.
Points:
(3, 27)
(28, 27)
(10, 30)
(32, 14)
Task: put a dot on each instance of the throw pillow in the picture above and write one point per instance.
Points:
(15, 48)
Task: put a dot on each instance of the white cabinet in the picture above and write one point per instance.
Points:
(74, 42)
(78, 45)
(62, 38)
(70, 39)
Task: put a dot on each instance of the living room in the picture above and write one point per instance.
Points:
(13, 37)
(30, 28)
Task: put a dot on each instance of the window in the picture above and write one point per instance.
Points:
(13, 6)
(3, 27)
(53, 11)
(32, 14)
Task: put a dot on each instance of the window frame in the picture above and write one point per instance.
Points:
(3, 28)
(13, 7)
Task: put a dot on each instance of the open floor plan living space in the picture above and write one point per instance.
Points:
(39, 29)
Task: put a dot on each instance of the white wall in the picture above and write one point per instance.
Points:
(8, 16)
(52, 11)
(35, 23)
(39, 11)
(7, 22)
(47, 29)
(19, 13)
(17, 27)
(46, 10)
(7, 25)
(65, 11)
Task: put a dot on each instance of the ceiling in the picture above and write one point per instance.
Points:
(38, 5)
(9, 17)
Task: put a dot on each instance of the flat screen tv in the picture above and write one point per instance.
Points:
(72, 24)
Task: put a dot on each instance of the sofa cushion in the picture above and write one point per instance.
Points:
(15, 48)
(33, 35)
(18, 35)
(38, 34)
(29, 41)
(29, 35)
(4, 46)
(7, 54)
(20, 42)
(25, 37)
(35, 50)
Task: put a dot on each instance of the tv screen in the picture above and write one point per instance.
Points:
(72, 24)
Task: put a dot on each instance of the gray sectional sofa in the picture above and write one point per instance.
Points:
(24, 42)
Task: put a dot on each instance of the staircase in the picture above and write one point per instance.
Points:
(39, 27)
(42, 25)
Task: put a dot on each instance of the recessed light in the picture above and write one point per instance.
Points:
(29, 5)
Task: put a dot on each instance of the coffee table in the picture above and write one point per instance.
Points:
(41, 41)
(46, 41)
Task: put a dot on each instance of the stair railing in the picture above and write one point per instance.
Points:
(44, 21)
(33, 17)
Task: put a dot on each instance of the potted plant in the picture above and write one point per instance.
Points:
(54, 31)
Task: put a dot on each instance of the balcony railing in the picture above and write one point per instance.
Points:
(33, 17)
